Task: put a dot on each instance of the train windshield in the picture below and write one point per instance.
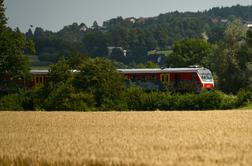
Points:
(206, 75)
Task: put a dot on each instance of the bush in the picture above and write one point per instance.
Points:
(64, 98)
(81, 101)
(11, 102)
(33, 99)
(244, 97)
(133, 98)
(228, 101)
(140, 100)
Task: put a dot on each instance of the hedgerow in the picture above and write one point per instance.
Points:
(64, 98)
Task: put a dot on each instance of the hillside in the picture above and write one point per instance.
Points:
(136, 36)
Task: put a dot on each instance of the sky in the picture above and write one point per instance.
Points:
(55, 14)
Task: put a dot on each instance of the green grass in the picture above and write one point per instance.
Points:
(247, 107)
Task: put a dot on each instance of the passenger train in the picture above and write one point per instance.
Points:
(175, 79)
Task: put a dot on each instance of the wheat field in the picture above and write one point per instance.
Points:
(126, 138)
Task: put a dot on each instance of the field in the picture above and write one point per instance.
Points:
(126, 138)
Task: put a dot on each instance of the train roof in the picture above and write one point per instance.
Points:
(39, 71)
(160, 70)
(134, 71)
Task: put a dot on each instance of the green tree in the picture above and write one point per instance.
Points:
(96, 44)
(13, 63)
(76, 59)
(95, 26)
(59, 92)
(190, 52)
(118, 55)
(3, 19)
(234, 34)
(60, 72)
(231, 61)
(100, 78)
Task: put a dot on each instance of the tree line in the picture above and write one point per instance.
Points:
(136, 35)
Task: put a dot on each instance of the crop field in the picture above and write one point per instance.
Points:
(126, 138)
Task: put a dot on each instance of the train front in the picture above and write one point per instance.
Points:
(206, 78)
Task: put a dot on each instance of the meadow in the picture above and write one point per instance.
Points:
(126, 138)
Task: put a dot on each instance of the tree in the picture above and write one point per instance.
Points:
(232, 60)
(190, 52)
(100, 78)
(60, 72)
(249, 37)
(118, 55)
(95, 26)
(96, 44)
(13, 64)
(3, 19)
(76, 59)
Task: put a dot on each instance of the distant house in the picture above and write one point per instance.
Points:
(83, 27)
(224, 20)
(110, 50)
(131, 19)
(215, 20)
(142, 20)
(248, 24)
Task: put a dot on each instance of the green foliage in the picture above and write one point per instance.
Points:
(232, 59)
(13, 64)
(137, 38)
(12, 61)
(100, 78)
(32, 99)
(64, 98)
(60, 72)
(96, 44)
(234, 33)
(249, 37)
(133, 98)
(11, 102)
(190, 52)
(140, 100)
(3, 19)
(244, 97)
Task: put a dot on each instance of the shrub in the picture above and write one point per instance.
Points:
(140, 100)
(11, 102)
(33, 99)
(64, 98)
(133, 98)
(228, 101)
(81, 101)
(244, 97)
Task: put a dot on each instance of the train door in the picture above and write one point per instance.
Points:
(165, 79)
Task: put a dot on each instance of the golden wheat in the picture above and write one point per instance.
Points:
(126, 138)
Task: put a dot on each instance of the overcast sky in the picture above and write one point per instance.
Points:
(55, 14)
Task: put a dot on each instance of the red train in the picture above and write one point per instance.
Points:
(174, 79)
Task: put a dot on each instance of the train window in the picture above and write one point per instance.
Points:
(37, 79)
(40, 79)
(153, 77)
(206, 75)
(163, 78)
(143, 78)
(133, 77)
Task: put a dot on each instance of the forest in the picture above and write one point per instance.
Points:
(219, 39)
